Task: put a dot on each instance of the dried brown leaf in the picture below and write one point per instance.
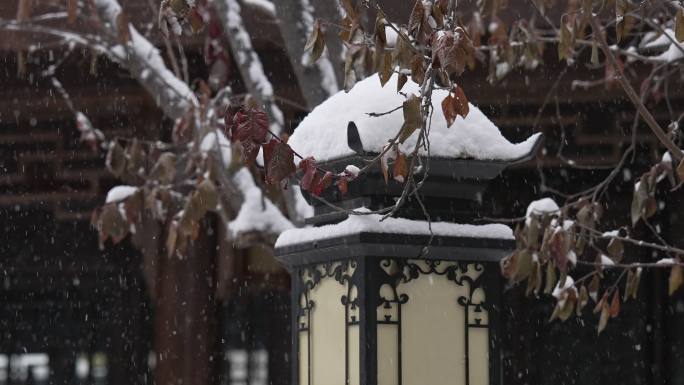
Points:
(384, 160)
(565, 43)
(72, 11)
(401, 80)
(384, 66)
(676, 279)
(534, 280)
(615, 304)
(179, 6)
(349, 71)
(582, 300)
(616, 250)
(417, 18)
(454, 105)
(568, 309)
(600, 303)
(315, 44)
(133, 206)
(122, 28)
(594, 287)
(136, 158)
(679, 25)
(594, 53)
(637, 280)
(207, 194)
(680, 171)
(629, 285)
(412, 117)
(452, 51)
(403, 53)
(605, 315)
(164, 170)
(418, 69)
(112, 223)
(551, 278)
(116, 159)
(640, 200)
(461, 102)
(400, 168)
(625, 22)
(171, 239)
(349, 9)
(380, 37)
(196, 21)
(523, 267)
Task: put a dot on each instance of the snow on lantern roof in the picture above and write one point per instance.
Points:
(356, 224)
(323, 133)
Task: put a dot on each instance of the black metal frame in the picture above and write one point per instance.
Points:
(361, 261)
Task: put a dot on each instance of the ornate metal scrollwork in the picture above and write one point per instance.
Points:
(402, 271)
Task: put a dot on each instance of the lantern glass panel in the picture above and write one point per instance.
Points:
(328, 326)
(432, 324)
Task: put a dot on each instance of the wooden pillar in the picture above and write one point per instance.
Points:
(186, 313)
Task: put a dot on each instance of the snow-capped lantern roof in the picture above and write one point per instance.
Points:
(323, 133)
(464, 158)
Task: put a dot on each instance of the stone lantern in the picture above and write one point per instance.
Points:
(401, 301)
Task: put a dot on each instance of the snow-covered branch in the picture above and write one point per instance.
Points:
(248, 61)
(316, 80)
(144, 62)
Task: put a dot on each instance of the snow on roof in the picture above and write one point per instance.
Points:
(266, 5)
(209, 144)
(302, 208)
(654, 39)
(371, 224)
(674, 52)
(257, 212)
(323, 133)
(119, 193)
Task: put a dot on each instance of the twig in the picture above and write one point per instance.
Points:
(636, 100)
(378, 114)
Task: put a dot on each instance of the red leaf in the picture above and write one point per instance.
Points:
(250, 128)
(323, 183)
(343, 183)
(278, 161)
(229, 119)
(307, 165)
